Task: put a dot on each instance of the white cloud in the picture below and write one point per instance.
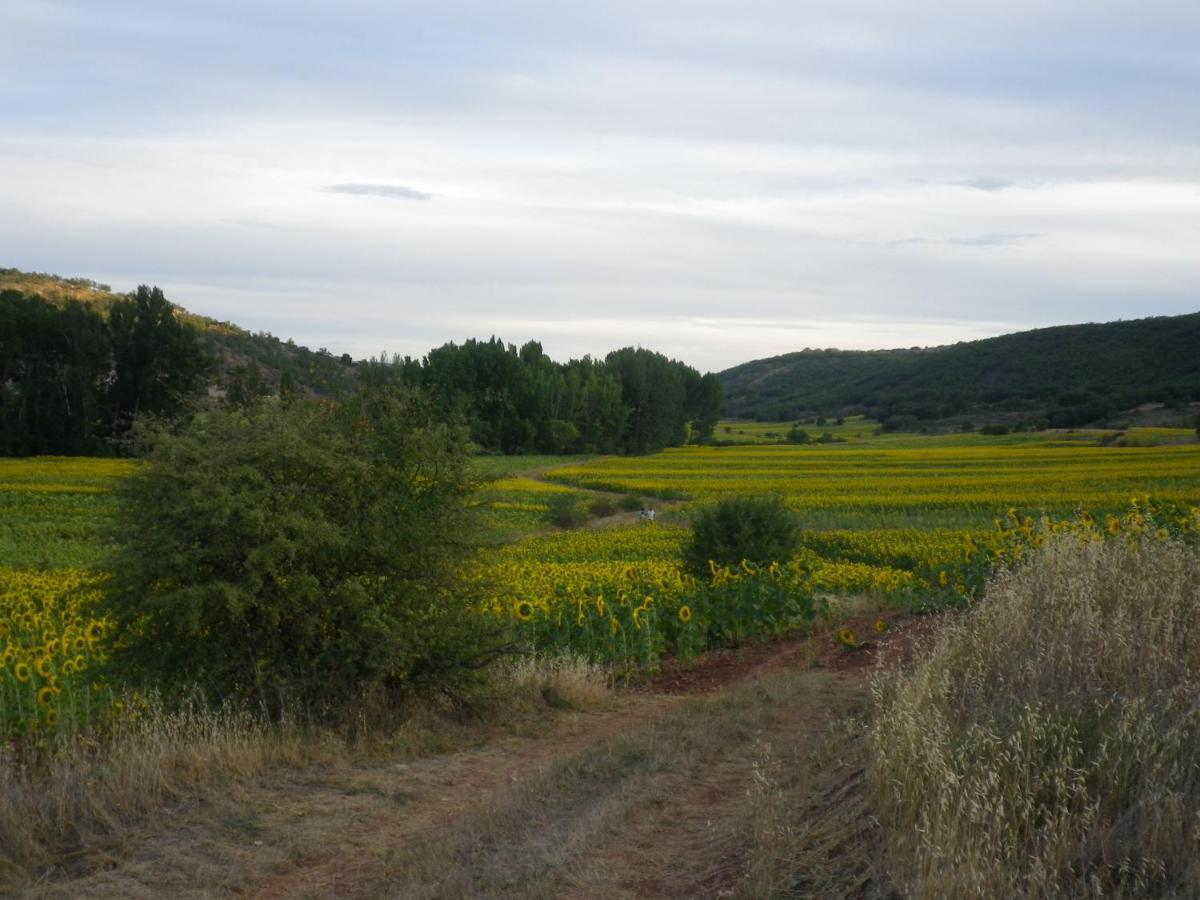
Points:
(721, 186)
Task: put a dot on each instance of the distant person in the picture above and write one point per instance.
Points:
(650, 514)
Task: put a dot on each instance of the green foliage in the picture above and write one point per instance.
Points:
(602, 505)
(631, 502)
(302, 552)
(756, 528)
(518, 400)
(71, 380)
(566, 510)
(1070, 375)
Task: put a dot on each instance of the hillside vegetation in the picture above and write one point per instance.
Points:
(1070, 375)
(80, 363)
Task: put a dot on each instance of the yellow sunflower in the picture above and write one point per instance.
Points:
(524, 610)
(880, 625)
(685, 614)
(846, 636)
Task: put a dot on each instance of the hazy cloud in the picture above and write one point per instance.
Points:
(988, 183)
(993, 239)
(396, 191)
(687, 172)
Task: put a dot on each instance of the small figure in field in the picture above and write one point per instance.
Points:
(641, 514)
(650, 514)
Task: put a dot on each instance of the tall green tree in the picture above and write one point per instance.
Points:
(157, 362)
(300, 553)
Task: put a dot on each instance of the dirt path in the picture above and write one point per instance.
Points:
(649, 798)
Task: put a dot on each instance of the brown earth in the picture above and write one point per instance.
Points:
(647, 798)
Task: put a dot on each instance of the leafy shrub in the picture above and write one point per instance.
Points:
(602, 506)
(797, 436)
(297, 553)
(566, 510)
(756, 528)
(631, 502)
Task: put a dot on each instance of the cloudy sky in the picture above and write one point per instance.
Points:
(719, 181)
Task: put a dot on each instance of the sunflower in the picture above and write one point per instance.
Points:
(637, 616)
(685, 614)
(43, 666)
(43, 695)
(524, 610)
(880, 626)
(21, 671)
(846, 636)
(581, 620)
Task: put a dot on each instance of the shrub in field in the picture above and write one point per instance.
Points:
(631, 502)
(759, 529)
(1048, 745)
(602, 506)
(298, 552)
(566, 510)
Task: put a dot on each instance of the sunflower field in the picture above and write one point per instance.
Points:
(896, 519)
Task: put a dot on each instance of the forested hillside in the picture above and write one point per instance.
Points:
(79, 362)
(1069, 375)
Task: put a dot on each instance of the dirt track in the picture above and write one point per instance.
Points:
(648, 798)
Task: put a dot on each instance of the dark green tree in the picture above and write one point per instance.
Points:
(157, 361)
(298, 553)
(757, 528)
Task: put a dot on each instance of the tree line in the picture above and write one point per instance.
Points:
(73, 379)
(518, 400)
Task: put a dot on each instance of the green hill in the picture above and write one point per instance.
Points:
(238, 352)
(1068, 375)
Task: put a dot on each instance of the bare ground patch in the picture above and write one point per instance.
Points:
(660, 795)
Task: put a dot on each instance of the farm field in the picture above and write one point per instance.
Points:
(894, 523)
(891, 518)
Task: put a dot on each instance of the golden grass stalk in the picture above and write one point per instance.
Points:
(1049, 744)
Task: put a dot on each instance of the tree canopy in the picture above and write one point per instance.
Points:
(297, 552)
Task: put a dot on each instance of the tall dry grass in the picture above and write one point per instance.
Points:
(1049, 744)
(58, 808)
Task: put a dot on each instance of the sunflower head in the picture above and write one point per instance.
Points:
(880, 625)
(846, 636)
(685, 614)
(21, 671)
(524, 610)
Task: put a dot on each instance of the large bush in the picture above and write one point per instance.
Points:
(1049, 744)
(301, 553)
(757, 528)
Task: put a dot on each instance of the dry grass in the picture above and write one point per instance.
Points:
(90, 791)
(582, 827)
(813, 836)
(1049, 745)
(55, 815)
(562, 682)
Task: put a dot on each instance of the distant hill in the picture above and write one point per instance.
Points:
(1069, 375)
(235, 349)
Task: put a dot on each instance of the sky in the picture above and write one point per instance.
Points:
(717, 181)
